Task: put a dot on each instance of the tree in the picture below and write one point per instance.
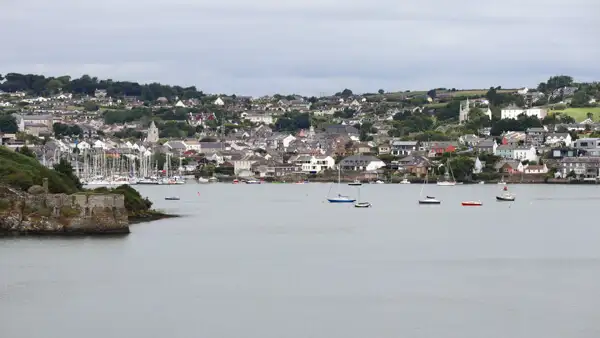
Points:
(292, 121)
(8, 124)
(431, 93)
(90, 106)
(66, 169)
(27, 152)
(54, 86)
(381, 91)
(346, 93)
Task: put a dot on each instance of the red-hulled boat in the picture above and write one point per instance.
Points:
(472, 204)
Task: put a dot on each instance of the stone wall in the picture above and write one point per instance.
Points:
(61, 213)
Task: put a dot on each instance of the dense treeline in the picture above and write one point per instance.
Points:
(86, 85)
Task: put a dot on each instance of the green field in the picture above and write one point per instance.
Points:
(458, 93)
(579, 114)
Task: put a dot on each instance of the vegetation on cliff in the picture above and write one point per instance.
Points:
(22, 172)
(136, 205)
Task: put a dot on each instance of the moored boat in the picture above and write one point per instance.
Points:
(355, 183)
(472, 204)
(429, 200)
(172, 198)
(505, 196)
(362, 205)
(341, 199)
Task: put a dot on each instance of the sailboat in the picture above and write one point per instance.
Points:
(356, 182)
(340, 198)
(360, 204)
(505, 196)
(427, 199)
(447, 181)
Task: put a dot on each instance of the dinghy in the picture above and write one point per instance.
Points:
(472, 204)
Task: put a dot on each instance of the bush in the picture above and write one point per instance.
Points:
(134, 202)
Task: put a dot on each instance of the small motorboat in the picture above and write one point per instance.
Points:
(471, 204)
(362, 205)
(506, 198)
(236, 181)
(172, 198)
(429, 200)
(355, 183)
(481, 182)
(253, 182)
(203, 180)
(405, 181)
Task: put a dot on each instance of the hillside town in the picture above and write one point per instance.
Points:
(104, 129)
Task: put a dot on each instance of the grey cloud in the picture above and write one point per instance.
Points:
(305, 46)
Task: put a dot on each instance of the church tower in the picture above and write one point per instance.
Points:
(152, 133)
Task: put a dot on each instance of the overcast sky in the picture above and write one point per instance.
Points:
(304, 46)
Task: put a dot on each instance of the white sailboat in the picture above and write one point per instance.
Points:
(427, 199)
(340, 198)
(360, 204)
(447, 174)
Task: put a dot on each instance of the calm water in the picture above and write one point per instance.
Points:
(274, 261)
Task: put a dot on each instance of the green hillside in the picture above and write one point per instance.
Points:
(580, 114)
(20, 171)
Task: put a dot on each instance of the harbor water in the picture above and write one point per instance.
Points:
(276, 260)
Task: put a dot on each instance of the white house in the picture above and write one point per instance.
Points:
(525, 153)
(478, 167)
(536, 169)
(361, 162)
(259, 118)
(317, 164)
(192, 145)
(219, 102)
(513, 112)
(99, 145)
(80, 145)
(556, 138)
(179, 104)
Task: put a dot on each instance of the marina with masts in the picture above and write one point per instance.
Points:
(100, 167)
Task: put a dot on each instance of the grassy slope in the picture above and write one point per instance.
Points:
(458, 93)
(22, 172)
(580, 114)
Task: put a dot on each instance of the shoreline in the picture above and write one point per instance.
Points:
(111, 233)
(150, 217)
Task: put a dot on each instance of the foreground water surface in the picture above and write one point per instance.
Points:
(274, 260)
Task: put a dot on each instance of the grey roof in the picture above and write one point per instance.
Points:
(485, 144)
(211, 145)
(404, 143)
(341, 129)
(176, 145)
(359, 159)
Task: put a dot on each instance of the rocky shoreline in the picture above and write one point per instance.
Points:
(39, 213)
